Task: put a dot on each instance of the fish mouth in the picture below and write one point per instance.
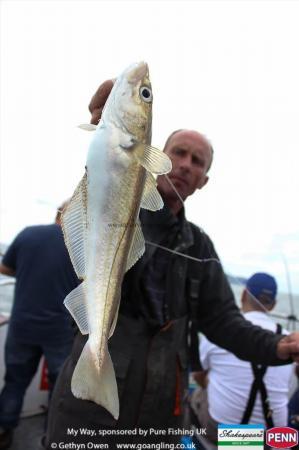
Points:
(137, 72)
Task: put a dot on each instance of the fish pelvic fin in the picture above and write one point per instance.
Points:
(74, 226)
(151, 199)
(95, 382)
(75, 302)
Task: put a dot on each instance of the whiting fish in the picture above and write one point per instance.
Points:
(101, 226)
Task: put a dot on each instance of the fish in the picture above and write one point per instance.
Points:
(101, 226)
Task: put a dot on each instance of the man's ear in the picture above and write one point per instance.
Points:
(203, 182)
(271, 306)
(244, 298)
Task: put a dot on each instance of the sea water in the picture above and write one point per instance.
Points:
(282, 308)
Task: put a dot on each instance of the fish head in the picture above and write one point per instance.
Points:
(129, 105)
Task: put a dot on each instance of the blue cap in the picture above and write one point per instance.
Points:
(262, 286)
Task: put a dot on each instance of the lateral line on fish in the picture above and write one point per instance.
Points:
(109, 281)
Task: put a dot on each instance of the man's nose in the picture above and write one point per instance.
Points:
(185, 163)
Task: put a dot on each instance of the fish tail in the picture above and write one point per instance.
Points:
(96, 382)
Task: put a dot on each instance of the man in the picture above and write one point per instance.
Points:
(162, 296)
(39, 323)
(240, 392)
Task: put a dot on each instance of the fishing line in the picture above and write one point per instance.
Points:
(292, 316)
(174, 188)
(175, 252)
(193, 258)
(182, 254)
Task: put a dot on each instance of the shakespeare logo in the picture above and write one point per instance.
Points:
(240, 436)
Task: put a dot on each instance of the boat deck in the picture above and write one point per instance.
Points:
(29, 433)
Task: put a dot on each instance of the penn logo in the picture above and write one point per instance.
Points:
(282, 437)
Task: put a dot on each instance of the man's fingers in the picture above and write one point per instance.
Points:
(288, 349)
(96, 115)
(295, 357)
(98, 101)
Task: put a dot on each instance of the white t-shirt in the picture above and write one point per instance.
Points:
(230, 381)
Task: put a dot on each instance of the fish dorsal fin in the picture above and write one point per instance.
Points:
(153, 159)
(151, 199)
(137, 246)
(74, 224)
(87, 126)
(75, 302)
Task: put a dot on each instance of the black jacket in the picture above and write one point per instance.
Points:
(152, 364)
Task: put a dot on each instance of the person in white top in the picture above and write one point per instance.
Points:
(237, 391)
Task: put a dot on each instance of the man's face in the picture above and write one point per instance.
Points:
(191, 156)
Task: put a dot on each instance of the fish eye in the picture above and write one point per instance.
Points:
(146, 94)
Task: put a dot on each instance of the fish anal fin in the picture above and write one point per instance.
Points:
(137, 246)
(75, 302)
(151, 199)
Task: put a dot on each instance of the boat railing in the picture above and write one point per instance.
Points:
(9, 281)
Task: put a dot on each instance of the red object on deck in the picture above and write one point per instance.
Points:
(44, 382)
(177, 408)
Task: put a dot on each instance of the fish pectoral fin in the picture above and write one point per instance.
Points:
(137, 246)
(74, 225)
(96, 382)
(151, 199)
(153, 159)
(75, 302)
(87, 126)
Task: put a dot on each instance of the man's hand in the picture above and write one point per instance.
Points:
(5, 270)
(201, 378)
(98, 101)
(288, 347)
